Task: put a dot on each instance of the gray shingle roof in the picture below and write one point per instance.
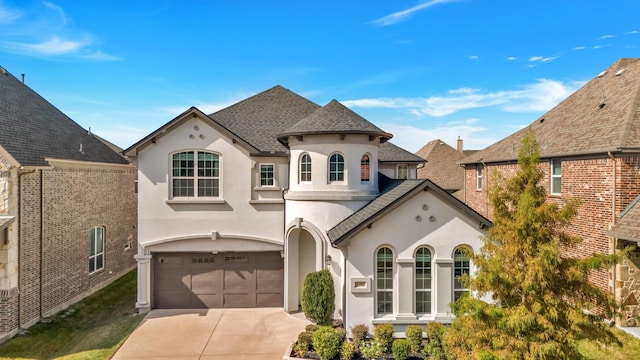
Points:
(389, 152)
(392, 193)
(31, 129)
(259, 119)
(602, 116)
(333, 118)
(628, 228)
(441, 166)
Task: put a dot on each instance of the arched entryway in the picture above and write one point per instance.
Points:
(304, 254)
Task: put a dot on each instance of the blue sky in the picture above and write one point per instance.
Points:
(422, 70)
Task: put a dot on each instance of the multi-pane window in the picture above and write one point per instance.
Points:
(423, 281)
(479, 170)
(461, 266)
(403, 171)
(384, 281)
(556, 176)
(195, 174)
(96, 249)
(365, 168)
(305, 167)
(336, 167)
(266, 175)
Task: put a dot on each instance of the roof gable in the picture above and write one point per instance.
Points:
(602, 116)
(628, 227)
(442, 165)
(31, 129)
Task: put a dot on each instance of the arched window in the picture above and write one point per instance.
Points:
(96, 249)
(305, 167)
(195, 174)
(423, 281)
(461, 266)
(336, 167)
(384, 281)
(365, 168)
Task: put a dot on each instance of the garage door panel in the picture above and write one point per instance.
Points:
(241, 300)
(206, 301)
(269, 300)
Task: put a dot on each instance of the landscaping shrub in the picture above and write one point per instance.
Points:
(318, 297)
(359, 333)
(383, 334)
(303, 345)
(327, 342)
(414, 337)
(371, 351)
(312, 328)
(400, 349)
(435, 330)
(435, 333)
(348, 350)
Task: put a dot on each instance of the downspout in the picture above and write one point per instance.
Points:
(613, 244)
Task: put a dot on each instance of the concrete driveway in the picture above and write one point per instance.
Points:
(213, 334)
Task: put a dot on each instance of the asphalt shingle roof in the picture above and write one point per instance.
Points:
(389, 152)
(628, 228)
(441, 166)
(602, 116)
(31, 129)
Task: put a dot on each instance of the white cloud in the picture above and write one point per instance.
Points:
(474, 57)
(632, 32)
(53, 46)
(512, 58)
(100, 56)
(8, 16)
(579, 48)
(539, 96)
(403, 15)
(606, 37)
(597, 47)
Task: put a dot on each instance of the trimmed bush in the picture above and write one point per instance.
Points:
(435, 330)
(414, 337)
(318, 297)
(359, 332)
(371, 351)
(348, 350)
(383, 334)
(327, 342)
(400, 349)
(311, 328)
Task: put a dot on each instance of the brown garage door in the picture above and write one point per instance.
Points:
(224, 280)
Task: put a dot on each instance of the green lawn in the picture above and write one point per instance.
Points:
(630, 348)
(91, 329)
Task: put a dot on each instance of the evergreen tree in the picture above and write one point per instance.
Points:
(542, 298)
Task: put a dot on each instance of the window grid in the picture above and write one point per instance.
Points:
(403, 171)
(556, 176)
(479, 171)
(384, 281)
(96, 249)
(365, 168)
(305, 168)
(189, 174)
(336, 168)
(423, 281)
(267, 175)
(461, 266)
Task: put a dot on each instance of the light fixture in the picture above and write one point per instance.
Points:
(327, 260)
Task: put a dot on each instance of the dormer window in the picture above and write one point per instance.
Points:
(365, 168)
(305, 168)
(336, 167)
(403, 171)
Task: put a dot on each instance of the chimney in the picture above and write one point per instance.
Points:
(459, 145)
(22, 78)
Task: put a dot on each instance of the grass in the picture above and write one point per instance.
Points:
(630, 348)
(94, 328)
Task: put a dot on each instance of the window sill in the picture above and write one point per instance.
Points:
(266, 188)
(274, 201)
(195, 201)
(96, 272)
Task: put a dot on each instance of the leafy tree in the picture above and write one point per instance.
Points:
(541, 297)
(318, 297)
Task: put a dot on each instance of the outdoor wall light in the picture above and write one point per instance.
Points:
(327, 260)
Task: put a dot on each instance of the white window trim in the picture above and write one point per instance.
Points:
(430, 291)
(455, 289)
(406, 166)
(97, 253)
(553, 176)
(344, 169)
(393, 284)
(310, 172)
(195, 197)
(274, 178)
(479, 176)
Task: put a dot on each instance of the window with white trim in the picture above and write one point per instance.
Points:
(479, 171)
(267, 172)
(96, 249)
(461, 266)
(556, 176)
(384, 281)
(403, 171)
(365, 168)
(195, 174)
(336, 167)
(423, 281)
(305, 167)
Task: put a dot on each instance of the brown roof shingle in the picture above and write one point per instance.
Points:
(628, 228)
(442, 165)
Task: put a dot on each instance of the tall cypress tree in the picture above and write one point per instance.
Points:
(542, 298)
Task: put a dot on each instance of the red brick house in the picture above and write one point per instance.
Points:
(590, 148)
(67, 210)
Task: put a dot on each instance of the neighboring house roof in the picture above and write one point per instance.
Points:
(31, 129)
(602, 116)
(333, 118)
(392, 194)
(389, 152)
(628, 227)
(442, 165)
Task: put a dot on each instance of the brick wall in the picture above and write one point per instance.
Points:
(29, 234)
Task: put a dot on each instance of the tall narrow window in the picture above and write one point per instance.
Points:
(193, 170)
(479, 171)
(305, 167)
(96, 249)
(336, 167)
(384, 281)
(461, 266)
(556, 176)
(423, 281)
(267, 175)
(365, 168)
(403, 171)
